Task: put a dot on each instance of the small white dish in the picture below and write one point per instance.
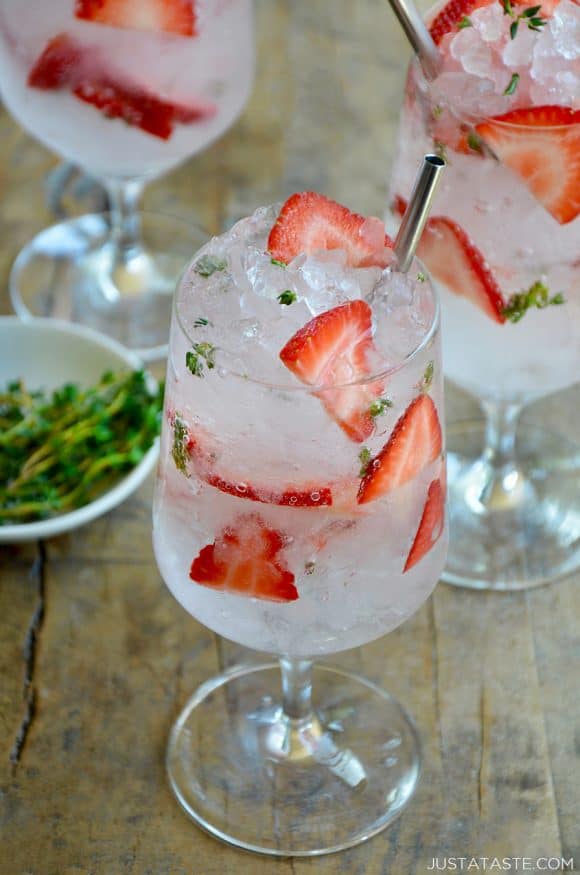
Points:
(46, 353)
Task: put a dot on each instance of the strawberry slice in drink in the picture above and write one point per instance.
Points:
(67, 64)
(541, 144)
(138, 108)
(453, 259)
(166, 16)
(430, 526)
(415, 442)
(60, 64)
(333, 350)
(309, 221)
(245, 559)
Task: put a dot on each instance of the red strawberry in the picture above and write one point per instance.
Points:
(430, 526)
(292, 495)
(332, 350)
(138, 108)
(66, 63)
(414, 443)
(170, 16)
(542, 145)
(309, 221)
(245, 559)
(450, 16)
(453, 259)
(58, 64)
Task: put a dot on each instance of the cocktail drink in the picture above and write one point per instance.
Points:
(299, 510)
(503, 244)
(127, 90)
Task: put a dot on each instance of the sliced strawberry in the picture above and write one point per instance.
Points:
(541, 144)
(450, 16)
(430, 525)
(415, 442)
(333, 350)
(138, 108)
(205, 465)
(245, 559)
(66, 63)
(309, 221)
(313, 496)
(58, 64)
(169, 16)
(453, 259)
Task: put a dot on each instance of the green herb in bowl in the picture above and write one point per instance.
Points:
(60, 450)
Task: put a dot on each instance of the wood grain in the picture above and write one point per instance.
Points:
(96, 657)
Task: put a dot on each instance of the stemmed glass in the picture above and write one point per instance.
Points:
(269, 528)
(503, 245)
(127, 91)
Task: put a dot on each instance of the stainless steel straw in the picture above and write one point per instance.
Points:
(417, 211)
(418, 35)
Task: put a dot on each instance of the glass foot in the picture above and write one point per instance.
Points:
(265, 783)
(514, 531)
(69, 271)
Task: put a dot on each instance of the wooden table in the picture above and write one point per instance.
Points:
(96, 657)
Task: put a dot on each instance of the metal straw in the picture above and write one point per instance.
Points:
(417, 211)
(419, 37)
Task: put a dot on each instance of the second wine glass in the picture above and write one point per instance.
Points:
(126, 91)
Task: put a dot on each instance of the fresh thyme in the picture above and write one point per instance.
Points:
(201, 322)
(530, 17)
(537, 296)
(179, 445)
(209, 264)
(365, 457)
(288, 297)
(513, 84)
(380, 406)
(200, 356)
(465, 22)
(59, 450)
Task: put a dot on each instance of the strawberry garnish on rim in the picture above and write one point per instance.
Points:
(541, 144)
(245, 559)
(66, 63)
(453, 259)
(333, 350)
(430, 526)
(168, 16)
(309, 221)
(415, 442)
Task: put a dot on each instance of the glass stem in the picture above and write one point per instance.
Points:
(296, 688)
(503, 486)
(500, 432)
(124, 198)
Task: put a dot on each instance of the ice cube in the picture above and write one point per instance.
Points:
(565, 29)
(472, 52)
(489, 22)
(518, 52)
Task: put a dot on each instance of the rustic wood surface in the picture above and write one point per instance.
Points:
(96, 657)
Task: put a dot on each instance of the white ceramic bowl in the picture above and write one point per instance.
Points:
(46, 353)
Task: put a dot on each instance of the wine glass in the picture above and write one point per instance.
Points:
(503, 245)
(292, 521)
(126, 91)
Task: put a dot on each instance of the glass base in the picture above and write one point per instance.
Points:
(268, 784)
(69, 272)
(516, 531)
